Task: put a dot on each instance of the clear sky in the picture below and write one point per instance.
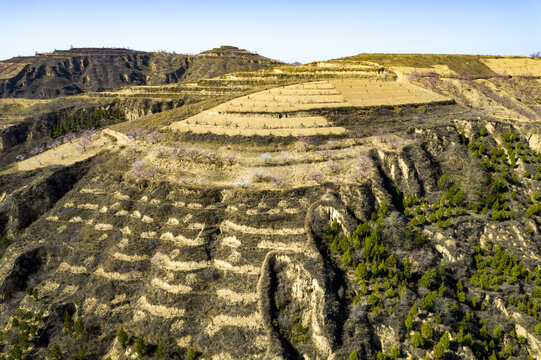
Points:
(285, 30)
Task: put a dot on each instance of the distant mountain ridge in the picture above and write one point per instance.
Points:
(81, 70)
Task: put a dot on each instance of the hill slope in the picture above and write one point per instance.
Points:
(245, 229)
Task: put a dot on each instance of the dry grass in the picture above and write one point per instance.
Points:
(441, 70)
(514, 67)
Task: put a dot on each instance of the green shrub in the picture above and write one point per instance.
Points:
(55, 352)
(5, 241)
(140, 346)
(417, 340)
(79, 326)
(395, 352)
(68, 322)
(407, 268)
(444, 181)
(16, 353)
(122, 338)
(498, 333)
(426, 330)
(80, 353)
(445, 341)
(191, 353)
(361, 272)
(346, 258)
(426, 279)
(483, 333)
(408, 322)
(439, 351)
(354, 355)
(537, 329)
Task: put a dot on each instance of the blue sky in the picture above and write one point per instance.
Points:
(285, 30)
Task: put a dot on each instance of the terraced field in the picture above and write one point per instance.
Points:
(194, 270)
(295, 110)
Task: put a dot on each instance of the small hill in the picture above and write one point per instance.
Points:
(82, 70)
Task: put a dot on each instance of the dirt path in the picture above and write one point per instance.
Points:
(121, 139)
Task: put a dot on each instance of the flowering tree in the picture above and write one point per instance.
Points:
(305, 142)
(136, 133)
(278, 180)
(84, 141)
(265, 157)
(230, 158)
(54, 144)
(88, 134)
(362, 169)
(286, 157)
(334, 167)
(36, 150)
(69, 137)
(162, 151)
(83, 144)
(140, 170)
(243, 182)
(258, 174)
(154, 136)
(316, 176)
(326, 152)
